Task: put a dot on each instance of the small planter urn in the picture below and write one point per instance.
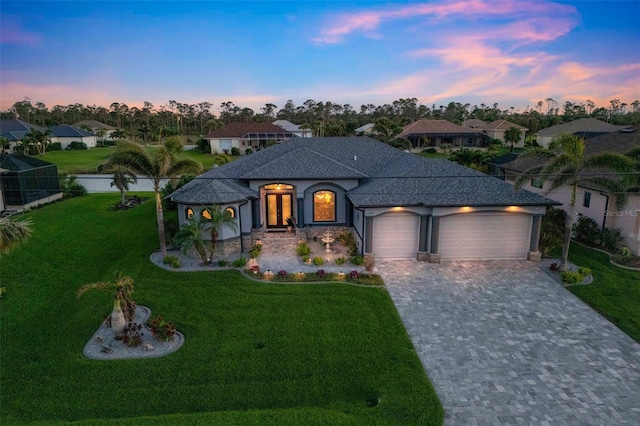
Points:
(117, 318)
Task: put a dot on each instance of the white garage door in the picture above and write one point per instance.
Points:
(395, 236)
(485, 236)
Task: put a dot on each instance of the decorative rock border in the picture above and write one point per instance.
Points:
(104, 346)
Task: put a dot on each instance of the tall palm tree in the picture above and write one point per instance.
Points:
(190, 235)
(13, 232)
(219, 218)
(162, 164)
(122, 179)
(512, 136)
(565, 163)
(38, 139)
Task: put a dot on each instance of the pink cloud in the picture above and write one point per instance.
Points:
(12, 33)
(370, 21)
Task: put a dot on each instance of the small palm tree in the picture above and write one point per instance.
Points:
(219, 218)
(190, 235)
(38, 139)
(512, 136)
(161, 165)
(122, 288)
(122, 179)
(12, 233)
(564, 163)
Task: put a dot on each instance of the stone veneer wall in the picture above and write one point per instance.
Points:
(229, 250)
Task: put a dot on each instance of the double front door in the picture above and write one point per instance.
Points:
(279, 208)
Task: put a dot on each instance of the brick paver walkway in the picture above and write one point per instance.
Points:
(503, 343)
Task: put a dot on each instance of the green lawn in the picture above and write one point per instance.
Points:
(87, 161)
(615, 292)
(254, 353)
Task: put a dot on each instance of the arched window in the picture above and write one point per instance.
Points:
(188, 212)
(205, 214)
(324, 206)
(231, 212)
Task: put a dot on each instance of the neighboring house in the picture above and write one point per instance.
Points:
(584, 128)
(66, 133)
(15, 129)
(474, 123)
(496, 129)
(101, 130)
(365, 130)
(27, 181)
(439, 132)
(244, 135)
(397, 205)
(495, 164)
(593, 202)
(294, 128)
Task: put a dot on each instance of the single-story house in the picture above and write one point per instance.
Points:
(439, 132)
(583, 127)
(496, 130)
(101, 130)
(245, 135)
(66, 133)
(364, 130)
(396, 204)
(593, 202)
(289, 127)
(27, 181)
(14, 130)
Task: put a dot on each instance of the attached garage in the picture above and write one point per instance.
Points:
(485, 236)
(395, 235)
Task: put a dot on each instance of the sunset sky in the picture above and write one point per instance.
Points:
(511, 52)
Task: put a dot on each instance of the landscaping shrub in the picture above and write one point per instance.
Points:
(282, 273)
(222, 263)
(623, 257)
(552, 230)
(54, 146)
(203, 145)
(356, 260)
(248, 151)
(239, 263)
(609, 238)
(341, 261)
(429, 151)
(132, 336)
(161, 329)
(303, 249)
(347, 240)
(586, 230)
(105, 143)
(321, 273)
(585, 272)
(318, 261)
(571, 277)
(70, 187)
(76, 146)
(235, 151)
(172, 260)
(255, 251)
(353, 276)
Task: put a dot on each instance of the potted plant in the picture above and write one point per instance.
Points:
(291, 222)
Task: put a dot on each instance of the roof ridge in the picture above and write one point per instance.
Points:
(335, 161)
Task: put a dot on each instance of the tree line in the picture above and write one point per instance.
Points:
(324, 118)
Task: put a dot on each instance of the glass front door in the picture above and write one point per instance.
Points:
(279, 208)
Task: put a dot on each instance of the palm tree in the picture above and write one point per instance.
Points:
(12, 233)
(190, 235)
(124, 307)
(38, 139)
(122, 179)
(512, 136)
(162, 164)
(564, 163)
(219, 218)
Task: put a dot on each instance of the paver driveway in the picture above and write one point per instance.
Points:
(503, 343)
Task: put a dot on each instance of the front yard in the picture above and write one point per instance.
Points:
(254, 353)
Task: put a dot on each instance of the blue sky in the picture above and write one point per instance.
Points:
(511, 52)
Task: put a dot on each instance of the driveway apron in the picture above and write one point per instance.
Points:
(503, 343)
